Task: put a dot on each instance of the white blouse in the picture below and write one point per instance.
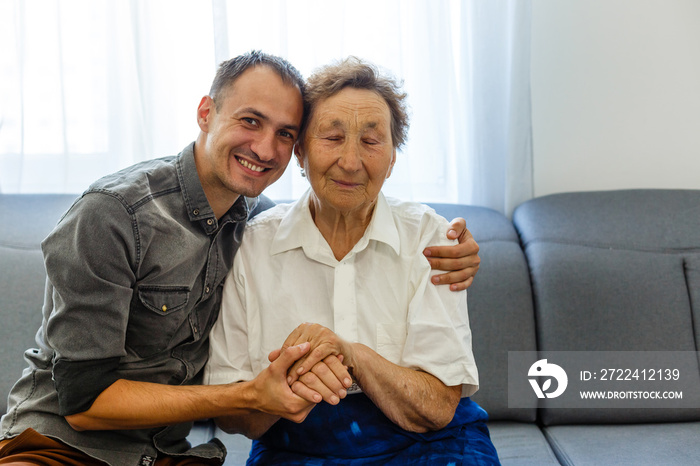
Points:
(379, 294)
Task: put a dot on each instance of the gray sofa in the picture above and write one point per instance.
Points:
(597, 271)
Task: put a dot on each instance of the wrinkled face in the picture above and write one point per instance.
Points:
(250, 138)
(347, 152)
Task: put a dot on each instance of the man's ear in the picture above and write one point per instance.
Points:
(298, 152)
(205, 111)
(391, 165)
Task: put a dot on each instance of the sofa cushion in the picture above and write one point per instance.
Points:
(610, 271)
(692, 273)
(26, 220)
(592, 299)
(640, 444)
(521, 444)
(639, 219)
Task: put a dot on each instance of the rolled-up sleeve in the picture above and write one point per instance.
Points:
(439, 339)
(90, 260)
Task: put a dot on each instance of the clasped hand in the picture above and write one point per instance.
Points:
(322, 373)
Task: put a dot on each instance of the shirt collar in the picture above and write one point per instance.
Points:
(297, 230)
(198, 208)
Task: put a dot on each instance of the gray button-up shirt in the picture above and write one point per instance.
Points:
(135, 271)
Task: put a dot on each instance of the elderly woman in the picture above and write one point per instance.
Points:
(348, 259)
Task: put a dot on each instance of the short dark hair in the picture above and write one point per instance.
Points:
(356, 73)
(232, 69)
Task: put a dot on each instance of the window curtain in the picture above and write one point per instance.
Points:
(89, 87)
(497, 144)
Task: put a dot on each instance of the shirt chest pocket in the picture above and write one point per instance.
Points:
(391, 339)
(156, 313)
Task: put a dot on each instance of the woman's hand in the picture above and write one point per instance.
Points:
(326, 347)
(322, 370)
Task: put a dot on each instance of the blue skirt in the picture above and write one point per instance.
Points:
(356, 432)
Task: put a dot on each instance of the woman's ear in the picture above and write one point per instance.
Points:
(391, 165)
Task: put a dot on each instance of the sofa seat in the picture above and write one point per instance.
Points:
(653, 444)
(521, 444)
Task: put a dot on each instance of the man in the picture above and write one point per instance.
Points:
(135, 271)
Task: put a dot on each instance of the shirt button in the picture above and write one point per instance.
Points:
(164, 308)
(210, 222)
(195, 211)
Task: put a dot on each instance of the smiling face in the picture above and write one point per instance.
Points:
(347, 152)
(245, 144)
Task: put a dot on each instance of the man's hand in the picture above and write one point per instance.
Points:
(276, 396)
(322, 382)
(268, 397)
(461, 260)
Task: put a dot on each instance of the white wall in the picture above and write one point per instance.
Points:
(615, 94)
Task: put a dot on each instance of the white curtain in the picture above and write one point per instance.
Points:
(496, 72)
(91, 86)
